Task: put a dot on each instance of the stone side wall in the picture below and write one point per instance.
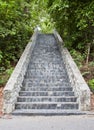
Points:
(14, 83)
(79, 85)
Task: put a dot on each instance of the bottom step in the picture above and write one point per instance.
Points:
(25, 112)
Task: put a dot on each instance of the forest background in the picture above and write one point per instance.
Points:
(74, 20)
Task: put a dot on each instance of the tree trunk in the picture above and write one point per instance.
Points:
(88, 53)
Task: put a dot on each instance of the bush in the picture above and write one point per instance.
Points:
(78, 57)
(4, 75)
(15, 30)
(91, 85)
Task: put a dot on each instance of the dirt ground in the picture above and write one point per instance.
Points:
(92, 102)
(1, 100)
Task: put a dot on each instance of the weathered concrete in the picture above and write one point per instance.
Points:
(48, 123)
(79, 85)
(14, 84)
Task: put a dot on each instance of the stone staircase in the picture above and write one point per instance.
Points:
(46, 87)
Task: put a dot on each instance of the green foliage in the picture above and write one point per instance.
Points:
(14, 30)
(9, 71)
(5, 74)
(91, 63)
(78, 57)
(41, 16)
(91, 84)
(18, 20)
(75, 22)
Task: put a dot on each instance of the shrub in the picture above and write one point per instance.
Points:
(91, 85)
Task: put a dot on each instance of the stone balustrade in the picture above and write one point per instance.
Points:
(79, 85)
(14, 83)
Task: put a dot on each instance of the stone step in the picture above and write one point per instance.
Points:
(30, 112)
(46, 71)
(46, 77)
(49, 79)
(46, 105)
(50, 58)
(41, 66)
(34, 65)
(43, 78)
(46, 98)
(47, 58)
(45, 93)
(54, 69)
(38, 88)
(31, 82)
(45, 63)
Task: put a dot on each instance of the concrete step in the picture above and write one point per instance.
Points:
(47, 112)
(46, 105)
(32, 82)
(45, 93)
(44, 65)
(47, 72)
(45, 84)
(41, 85)
(46, 98)
(45, 76)
(52, 70)
(25, 88)
(46, 79)
(49, 59)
